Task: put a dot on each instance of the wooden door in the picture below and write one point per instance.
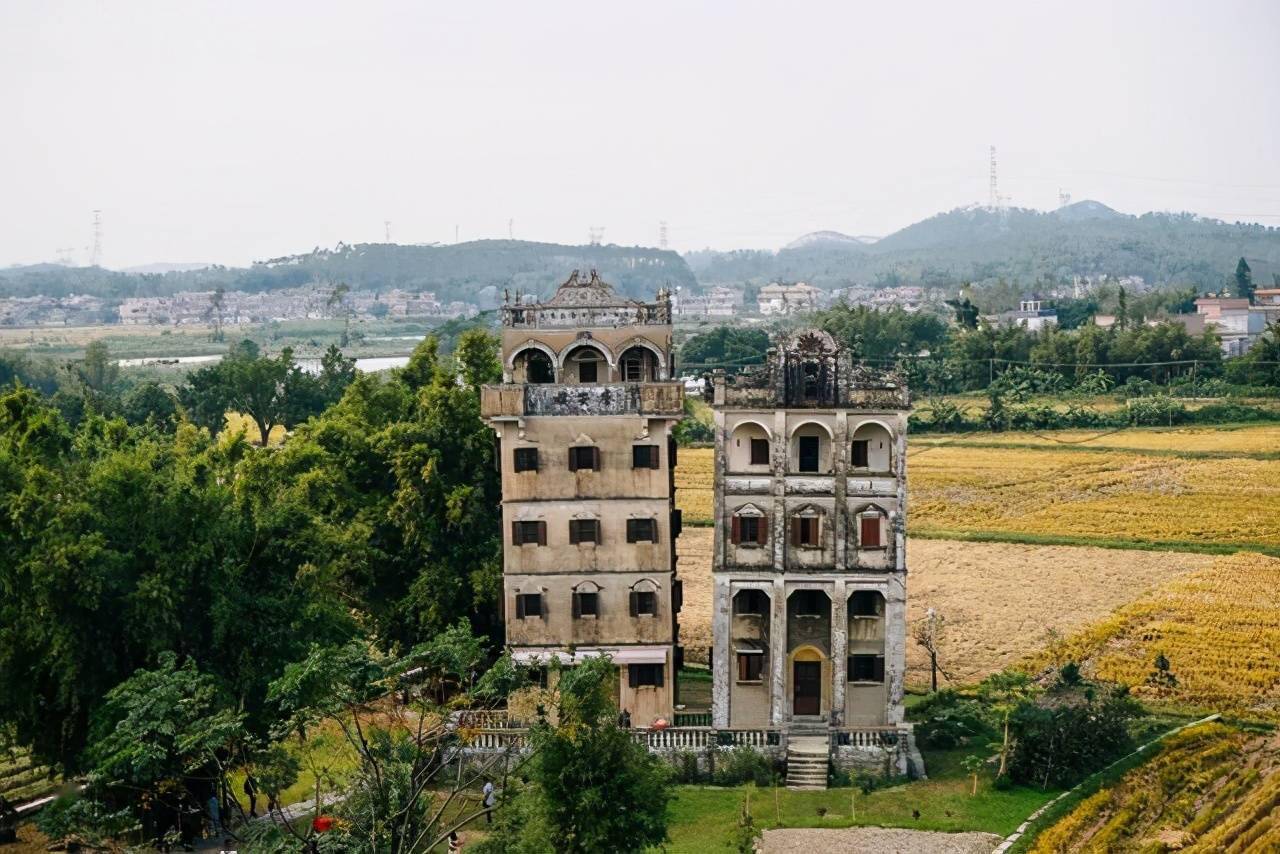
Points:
(807, 683)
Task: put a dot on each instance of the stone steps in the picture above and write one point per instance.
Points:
(807, 759)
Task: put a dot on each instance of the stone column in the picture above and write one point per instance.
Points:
(895, 644)
(840, 512)
(778, 651)
(839, 649)
(782, 447)
(721, 655)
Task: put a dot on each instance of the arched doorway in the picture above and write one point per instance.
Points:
(806, 682)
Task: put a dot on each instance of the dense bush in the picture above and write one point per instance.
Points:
(1070, 732)
(944, 720)
(742, 765)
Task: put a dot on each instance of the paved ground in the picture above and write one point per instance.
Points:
(875, 840)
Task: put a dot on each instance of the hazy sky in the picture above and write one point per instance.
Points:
(234, 131)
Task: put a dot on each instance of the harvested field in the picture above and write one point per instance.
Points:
(1219, 629)
(1242, 440)
(1000, 600)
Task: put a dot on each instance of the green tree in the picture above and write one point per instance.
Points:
(97, 369)
(728, 347)
(1002, 693)
(1244, 280)
(591, 786)
(150, 402)
(477, 356)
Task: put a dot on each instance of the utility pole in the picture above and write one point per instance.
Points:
(662, 234)
(595, 234)
(386, 229)
(511, 229)
(455, 234)
(994, 192)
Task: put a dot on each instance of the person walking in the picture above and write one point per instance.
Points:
(490, 800)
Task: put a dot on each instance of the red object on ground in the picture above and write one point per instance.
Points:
(660, 723)
(322, 824)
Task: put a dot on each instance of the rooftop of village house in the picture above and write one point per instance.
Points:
(584, 301)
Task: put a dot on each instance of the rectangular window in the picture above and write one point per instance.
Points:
(809, 603)
(759, 452)
(865, 603)
(804, 531)
(587, 371)
(644, 603)
(529, 533)
(644, 456)
(750, 667)
(526, 459)
(584, 457)
(752, 602)
(584, 531)
(644, 675)
(870, 532)
(866, 668)
(749, 529)
(528, 605)
(861, 453)
(642, 531)
(586, 604)
(808, 453)
(632, 370)
(538, 677)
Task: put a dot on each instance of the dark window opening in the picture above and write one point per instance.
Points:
(632, 370)
(866, 668)
(526, 459)
(528, 605)
(861, 453)
(809, 603)
(538, 677)
(750, 667)
(810, 371)
(586, 604)
(644, 603)
(865, 603)
(642, 530)
(808, 453)
(538, 368)
(870, 532)
(644, 456)
(749, 529)
(644, 675)
(587, 371)
(753, 602)
(584, 531)
(759, 452)
(584, 457)
(532, 533)
(804, 531)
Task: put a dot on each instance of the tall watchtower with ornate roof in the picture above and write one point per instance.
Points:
(809, 619)
(584, 417)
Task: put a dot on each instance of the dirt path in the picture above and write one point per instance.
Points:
(875, 840)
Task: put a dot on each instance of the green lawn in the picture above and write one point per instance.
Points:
(701, 817)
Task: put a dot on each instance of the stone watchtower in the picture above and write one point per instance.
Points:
(583, 418)
(809, 616)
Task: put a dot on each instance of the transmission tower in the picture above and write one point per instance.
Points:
(511, 229)
(595, 234)
(95, 257)
(994, 202)
(1064, 198)
(662, 234)
(386, 229)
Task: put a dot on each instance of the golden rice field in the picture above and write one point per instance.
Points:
(1210, 789)
(1000, 600)
(962, 491)
(1264, 439)
(1219, 628)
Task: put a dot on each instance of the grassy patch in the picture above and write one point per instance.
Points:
(1024, 538)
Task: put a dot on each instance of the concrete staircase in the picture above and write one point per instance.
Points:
(807, 759)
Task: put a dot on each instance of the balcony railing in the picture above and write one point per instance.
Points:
(516, 400)
(877, 736)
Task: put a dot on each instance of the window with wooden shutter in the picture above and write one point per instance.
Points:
(642, 530)
(645, 675)
(869, 535)
(796, 524)
(861, 453)
(644, 456)
(584, 531)
(750, 667)
(584, 457)
(526, 459)
(759, 452)
(587, 371)
(644, 603)
(586, 603)
(528, 605)
(805, 531)
(528, 533)
(762, 530)
(735, 530)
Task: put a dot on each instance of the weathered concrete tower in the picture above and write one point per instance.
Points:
(583, 419)
(809, 619)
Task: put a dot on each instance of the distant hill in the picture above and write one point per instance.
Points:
(977, 244)
(165, 267)
(456, 272)
(825, 238)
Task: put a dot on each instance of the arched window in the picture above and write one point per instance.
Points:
(811, 449)
(749, 448)
(638, 365)
(749, 526)
(871, 528)
(586, 600)
(806, 527)
(586, 364)
(809, 375)
(644, 598)
(871, 448)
